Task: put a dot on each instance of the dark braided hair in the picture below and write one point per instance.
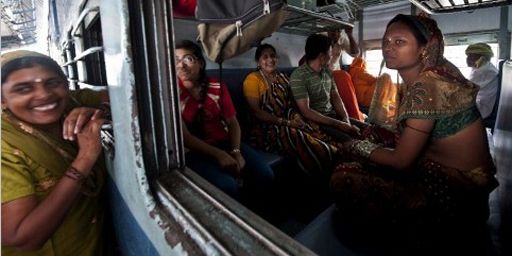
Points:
(197, 126)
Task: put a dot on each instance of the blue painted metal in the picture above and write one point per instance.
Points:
(130, 237)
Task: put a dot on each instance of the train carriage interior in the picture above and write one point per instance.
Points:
(158, 205)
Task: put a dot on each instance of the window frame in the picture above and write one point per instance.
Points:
(186, 199)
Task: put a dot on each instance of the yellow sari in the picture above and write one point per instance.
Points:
(33, 162)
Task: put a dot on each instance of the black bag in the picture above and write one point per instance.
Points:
(231, 27)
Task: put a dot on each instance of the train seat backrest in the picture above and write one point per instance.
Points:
(234, 79)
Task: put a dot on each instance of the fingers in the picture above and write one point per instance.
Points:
(98, 113)
(241, 162)
(80, 122)
(75, 121)
(67, 129)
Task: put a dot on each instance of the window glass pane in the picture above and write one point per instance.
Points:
(454, 53)
(373, 62)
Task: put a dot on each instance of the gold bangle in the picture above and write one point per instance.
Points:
(74, 174)
(235, 150)
(364, 148)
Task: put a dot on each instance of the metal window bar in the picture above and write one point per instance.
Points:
(92, 86)
(81, 18)
(82, 55)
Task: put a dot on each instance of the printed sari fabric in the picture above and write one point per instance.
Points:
(32, 164)
(314, 150)
(430, 191)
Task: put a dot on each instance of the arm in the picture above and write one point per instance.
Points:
(271, 119)
(234, 132)
(98, 103)
(234, 138)
(354, 47)
(27, 223)
(412, 143)
(337, 103)
(313, 115)
(197, 145)
(260, 114)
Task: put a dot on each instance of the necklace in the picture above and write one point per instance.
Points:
(271, 80)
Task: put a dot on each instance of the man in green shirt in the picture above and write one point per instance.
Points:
(314, 90)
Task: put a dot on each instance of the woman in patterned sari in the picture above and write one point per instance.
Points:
(52, 173)
(440, 173)
(276, 126)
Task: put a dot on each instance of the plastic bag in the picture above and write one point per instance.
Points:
(384, 104)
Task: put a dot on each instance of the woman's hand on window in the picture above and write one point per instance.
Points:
(77, 119)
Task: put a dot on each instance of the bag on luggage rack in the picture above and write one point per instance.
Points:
(231, 27)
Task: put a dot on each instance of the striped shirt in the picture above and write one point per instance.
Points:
(306, 83)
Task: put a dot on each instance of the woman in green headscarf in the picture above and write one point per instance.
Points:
(52, 177)
(440, 173)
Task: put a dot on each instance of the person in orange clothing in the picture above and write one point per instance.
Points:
(364, 82)
(342, 78)
(347, 93)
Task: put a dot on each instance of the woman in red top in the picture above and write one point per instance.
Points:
(211, 131)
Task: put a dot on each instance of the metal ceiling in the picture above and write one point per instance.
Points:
(305, 18)
(19, 25)
(19, 22)
(445, 6)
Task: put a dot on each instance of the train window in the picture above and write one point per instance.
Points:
(83, 51)
(94, 62)
(373, 61)
(70, 67)
(456, 54)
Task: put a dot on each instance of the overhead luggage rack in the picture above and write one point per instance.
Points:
(305, 22)
(445, 6)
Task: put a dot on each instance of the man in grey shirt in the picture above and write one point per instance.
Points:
(314, 90)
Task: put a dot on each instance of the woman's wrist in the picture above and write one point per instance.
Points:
(75, 174)
(364, 148)
(235, 150)
(284, 122)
